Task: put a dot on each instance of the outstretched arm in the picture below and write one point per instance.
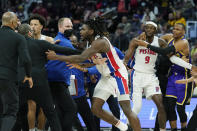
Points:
(98, 46)
(130, 51)
(184, 81)
(164, 51)
(57, 48)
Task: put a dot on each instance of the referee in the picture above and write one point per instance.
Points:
(12, 47)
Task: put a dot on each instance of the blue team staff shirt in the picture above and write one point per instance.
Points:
(57, 70)
(79, 76)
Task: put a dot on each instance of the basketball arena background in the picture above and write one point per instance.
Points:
(163, 12)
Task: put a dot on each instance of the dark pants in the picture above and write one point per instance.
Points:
(192, 126)
(21, 121)
(10, 101)
(65, 105)
(163, 80)
(77, 124)
(84, 110)
(41, 94)
(113, 106)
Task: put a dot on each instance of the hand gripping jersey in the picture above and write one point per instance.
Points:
(145, 59)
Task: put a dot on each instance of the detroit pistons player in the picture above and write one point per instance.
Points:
(143, 76)
(114, 76)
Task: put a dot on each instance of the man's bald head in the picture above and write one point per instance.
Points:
(10, 19)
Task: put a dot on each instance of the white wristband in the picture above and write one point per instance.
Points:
(176, 60)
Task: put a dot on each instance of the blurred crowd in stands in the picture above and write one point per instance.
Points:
(127, 16)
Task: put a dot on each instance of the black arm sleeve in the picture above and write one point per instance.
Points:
(59, 49)
(164, 51)
(24, 56)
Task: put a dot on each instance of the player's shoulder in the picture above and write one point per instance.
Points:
(167, 37)
(100, 41)
(184, 41)
(49, 39)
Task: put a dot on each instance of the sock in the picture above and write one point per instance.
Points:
(33, 129)
(183, 129)
(174, 129)
(162, 129)
(120, 125)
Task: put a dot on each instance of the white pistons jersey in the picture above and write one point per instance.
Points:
(114, 76)
(145, 59)
(42, 37)
(113, 63)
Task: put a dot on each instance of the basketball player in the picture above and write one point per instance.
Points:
(114, 76)
(37, 23)
(144, 71)
(176, 93)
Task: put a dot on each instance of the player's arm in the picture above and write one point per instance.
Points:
(86, 65)
(130, 51)
(98, 46)
(174, 59)
(184, 81)
(164, 51)
(45, 45)
(167, 37)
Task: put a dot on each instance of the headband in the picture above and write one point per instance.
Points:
(151, 23)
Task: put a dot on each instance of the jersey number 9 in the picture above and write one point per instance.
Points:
(147, 59)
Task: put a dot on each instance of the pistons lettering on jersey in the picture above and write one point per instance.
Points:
(147, 51)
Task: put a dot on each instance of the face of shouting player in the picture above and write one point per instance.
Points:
(150, 30)
(178, 31)
(36, 26)
(86, 32)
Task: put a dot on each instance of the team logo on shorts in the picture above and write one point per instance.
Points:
(157, 89)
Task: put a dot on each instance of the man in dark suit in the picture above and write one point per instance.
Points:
(12, 47)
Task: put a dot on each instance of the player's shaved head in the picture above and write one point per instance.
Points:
(8, 17)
